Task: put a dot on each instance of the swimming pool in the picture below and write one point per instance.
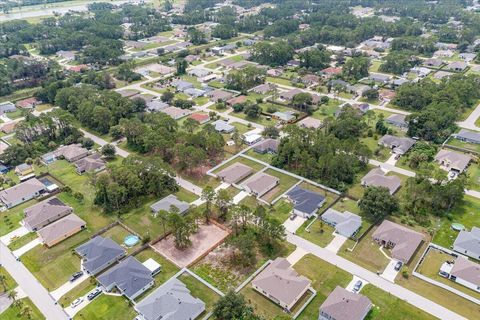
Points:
(131, 240)
(458, 226)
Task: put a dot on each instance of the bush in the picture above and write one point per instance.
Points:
(67, 190)
(79, 196)
(272, 109)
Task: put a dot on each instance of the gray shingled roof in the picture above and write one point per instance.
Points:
(171, 301)
(376, 177)
(346, 223)
(22, 190)
(169, 201)
(345, 305)
(305, 200)
(48, 210)
(468, 241)
(267, 145)
(129, 276)
(399, 145)
(453, 160)
(468, 135)
(98, 253)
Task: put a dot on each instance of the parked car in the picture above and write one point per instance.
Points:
(398, 266)
(76, 275)
(92, 295)
(357, 285)
(293, 216)
(76, 302)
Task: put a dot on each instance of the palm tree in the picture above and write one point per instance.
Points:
(3, 281)
(12, 295)
(27, 312)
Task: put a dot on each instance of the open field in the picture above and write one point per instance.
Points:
(107, 307)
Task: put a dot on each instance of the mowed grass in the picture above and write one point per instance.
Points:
(319, 233)
(199, 290)
(79, 291)
(389, 307)
(9, 283)
(10, 219)
(107, 307)
(16, 312)
(325, 278)
(285, 183)
(252, 164)
(20, 242)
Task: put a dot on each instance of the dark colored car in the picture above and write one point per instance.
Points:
(357, 285)
(398, 266)
(76, 275)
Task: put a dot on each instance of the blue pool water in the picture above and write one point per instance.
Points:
(131, 240)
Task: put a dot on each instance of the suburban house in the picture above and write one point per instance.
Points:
(310, 80)
(71, 152)
(235, 173)
(156, 105)
(280, 283)
(443, 53)
(201, 118)
(330, 72)
(467, 56)
(468, 243)
(345, 223)
(305, 202)
(44, 213)
(360, 89)
(6, 107)
(130, 277)
(28, 103)
(397, 144)
(172, 300)
(251, 138)
(442, 74)
(92, 163)
(61, 229)
(264, 88)
(310, 123)
(452, 161)
(223, 126)
(236, 100)
(432, 62)
(194, 92)
(266, 146)
(219, 95)
(377, 178)
(176, 113)
(167, 203)
(342, 304)
(24, 170)
(386, 95)
(458, 66)
(199, 72)
(468, 136)
(181, 85)
(99, 253)
(397, 120)
(260, 183)
(402, 241)
(462, 271)
(288, 95)
(284, 116)
(8, 127)
(22, 192)
(379, 77)
(274, 72)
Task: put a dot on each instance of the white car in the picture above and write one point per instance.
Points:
(76, 302)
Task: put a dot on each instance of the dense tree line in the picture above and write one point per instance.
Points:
(272, 54)
(245, 79)
(17, 74)
(399, 62)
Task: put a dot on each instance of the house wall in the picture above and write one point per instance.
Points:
(467, 284)
(20, 201)
(65, 236)
(466, 252)
(302, 214)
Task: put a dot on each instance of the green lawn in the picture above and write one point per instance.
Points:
(347, 204)
(286, 182)
(265, 157)
(389, 307)
(282, 210)
(326, 110)
(473, 172)
(15, 114)
(142, 221)
(118, 234)
(199, 290)
(200, 101)
(20, 242)
(280, 81)
(185, 195)
(79, 291)
(469, 146)
(107, 307)
(9, 282)
(263, 120)
(325, 277)
(319, 233)
(10, 219)
(252, 164)
(16, 312)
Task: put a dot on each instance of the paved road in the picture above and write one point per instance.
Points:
(27, 282)
(396, 290)
(469, 123)
(101, 142)
(393, 168)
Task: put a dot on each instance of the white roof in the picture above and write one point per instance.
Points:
(151, 265)
(252, 137)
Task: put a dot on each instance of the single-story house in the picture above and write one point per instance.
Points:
(422, 72)
(6, 107)
(66, 55)
(266, 146)
(192, 57)
(359, 89)
(432, 62)
(130, 277)
(219, 95)
(71, 152)
(462, 271)
(274, 72)
(235, 173)
(331, 71)
(223, 126)
(156, 105)
(288, 95)
(442, 74)
(264, 88)
(237, 65)
(386, 95)
(226, 63)
(468, 243)
(8, 127)
(377, 178)
(176, 113)
(402, 241)
(443, 53)
(201, 118)
(22, 192)
(284, 116)
(342, 304)
(99, 253)
(396, 144)
(61, 229)
(24, 170)
(28, 103)
(167, 203)
(398, 82)
(450, 160)
(457, 66)
(236, 100)
(280, 283)
(172, 300)
(345, 223)
(293, 63)
(251, 138)
(468, 136)
(379, 77)
(181, 85)
(467, 56)
(397, 120)
(305, 202)
(44, 213)
(194, 92)
(199, 72)
(310, 80)
(260, 183)
(92, 163)
(311, 123)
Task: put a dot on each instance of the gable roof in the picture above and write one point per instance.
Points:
(235, 172)
(453, 160)
(399, 145)
(267, 145)
(469, 241)
(98, 253)
(345, 305)
(91, 163)
(129, 276)
(169, 201)
(46, 210)
(171, 301)
(305, 200)
(376, 177)
(281, 281)
(405, 240)
(466, 270)
(61, 228)
(261, 183)
(346, 223)
(22, 190)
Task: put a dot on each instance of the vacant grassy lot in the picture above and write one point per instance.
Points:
(319, 233)
(16, 312)
(199, 290)
(107, 307)
(265, 157)
(325, 277)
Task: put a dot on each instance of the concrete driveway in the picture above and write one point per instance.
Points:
(390, 273)
(67, 286)
(17, 233)
(73, 311)
(240, 196)
(29, 246)
(336, 243)
(352, 283)
(293, 225)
